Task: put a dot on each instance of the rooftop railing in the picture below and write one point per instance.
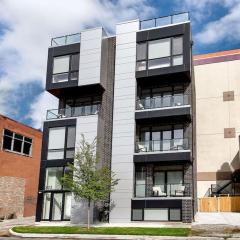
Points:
(65, 40)
(166, 20)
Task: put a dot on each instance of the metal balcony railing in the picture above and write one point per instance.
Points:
(176, 144)
(162, 102)
(65, 40)
(73, 112)
(165, 20)
(163, 190)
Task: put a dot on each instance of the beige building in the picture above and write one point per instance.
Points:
(217, 79)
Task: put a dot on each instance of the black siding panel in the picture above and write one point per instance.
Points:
(162, 157)
(184, 112)
(169, 203)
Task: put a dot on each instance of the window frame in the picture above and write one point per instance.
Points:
(63, 170)
(65, 149)
(69, 72)
(171, 57)
(23, 141)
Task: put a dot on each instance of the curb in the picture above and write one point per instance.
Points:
(96, 236)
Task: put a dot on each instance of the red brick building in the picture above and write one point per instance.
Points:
(20, 151)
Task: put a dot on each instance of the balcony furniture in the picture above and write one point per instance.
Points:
(142, 148)
(180, 191)
(157, 192)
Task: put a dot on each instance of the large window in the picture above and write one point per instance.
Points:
(18, 143)
(160, 53)
(162, 96)
(61, 142)
(65, 68)
(53, 178)
(156, 214)
(162, 138)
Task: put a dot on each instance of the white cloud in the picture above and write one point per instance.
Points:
(29, 26)
(226, 27)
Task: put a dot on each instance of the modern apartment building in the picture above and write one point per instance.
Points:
(218, 125)
(19, 168)
(135, 93)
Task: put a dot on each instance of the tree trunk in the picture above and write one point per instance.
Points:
(88, 224)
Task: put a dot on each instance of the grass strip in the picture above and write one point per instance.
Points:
(104, 230)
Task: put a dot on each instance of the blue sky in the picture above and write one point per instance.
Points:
(27, 26)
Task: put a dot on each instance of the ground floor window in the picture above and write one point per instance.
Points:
(156, 214)
(56, 206)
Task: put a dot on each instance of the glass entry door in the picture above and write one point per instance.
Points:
(56, 206)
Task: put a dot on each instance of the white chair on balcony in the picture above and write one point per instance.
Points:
(140, 106)
(142, 148)
(157, 192)
(180, 191)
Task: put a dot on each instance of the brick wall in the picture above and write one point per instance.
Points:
(22, 167)
(187, 210)
(11, 196)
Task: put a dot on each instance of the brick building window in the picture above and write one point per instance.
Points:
(18, 143)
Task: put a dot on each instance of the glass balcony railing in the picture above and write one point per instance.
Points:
(162, 102)
(176, 144)
(73, 112)
(163, 190)
(166, 20)
(65, 40)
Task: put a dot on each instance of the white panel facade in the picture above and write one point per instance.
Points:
(90, 56)
(86, 125)
(123, 144)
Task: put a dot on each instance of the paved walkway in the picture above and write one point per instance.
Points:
(223, 218)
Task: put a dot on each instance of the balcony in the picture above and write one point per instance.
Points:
(163, 102)
(163, 21)
(163, 190)
(65, 40)
(73, 112)
(177, 144)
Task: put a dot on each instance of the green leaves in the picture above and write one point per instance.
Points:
(85, 179)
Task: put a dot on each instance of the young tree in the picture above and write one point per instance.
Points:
(86, 179)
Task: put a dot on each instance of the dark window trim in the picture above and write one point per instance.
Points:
(51, 205)
(65, 149)
(169, 220)
(171, 52)
(69, 72)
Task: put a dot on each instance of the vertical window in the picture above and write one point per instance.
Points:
(53, 178)
(17, 143)
(71, 142)
(56, 143)
(61, 143)
(137, 214)
(7, 140)
(61, 64)
(141, 51)
(177, 46)
(67, 206)
(174, 214)
(65, 68)
(140, 179)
